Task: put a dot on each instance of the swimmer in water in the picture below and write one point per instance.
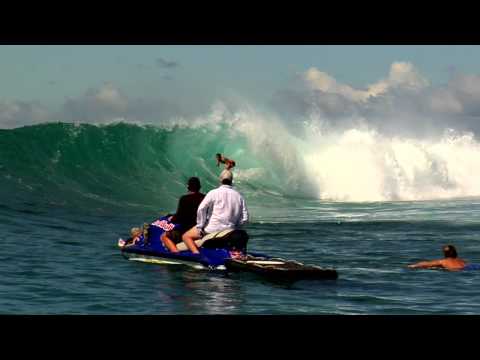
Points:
(450, 262)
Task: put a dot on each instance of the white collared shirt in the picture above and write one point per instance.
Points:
(222, 208)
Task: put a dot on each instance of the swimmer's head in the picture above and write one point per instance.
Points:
(449, 251)
(218, 156)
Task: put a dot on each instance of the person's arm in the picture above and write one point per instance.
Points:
(174, 217)
(219, 159)
(203, 211)
(426, 264)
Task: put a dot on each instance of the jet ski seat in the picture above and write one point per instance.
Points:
(231, 238)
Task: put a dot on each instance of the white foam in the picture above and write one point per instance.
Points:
(362, 165)
(358, 163)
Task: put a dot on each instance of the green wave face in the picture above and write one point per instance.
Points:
(126, 165)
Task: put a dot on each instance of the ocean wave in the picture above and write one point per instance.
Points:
(123, 163)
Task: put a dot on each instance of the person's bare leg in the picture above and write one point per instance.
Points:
(189, 239)
(169, 243)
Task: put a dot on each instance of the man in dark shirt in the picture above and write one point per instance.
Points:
(186, 215)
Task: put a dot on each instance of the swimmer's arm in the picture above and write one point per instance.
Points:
(426, 264)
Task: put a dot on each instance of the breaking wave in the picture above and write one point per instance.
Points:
(123, 164)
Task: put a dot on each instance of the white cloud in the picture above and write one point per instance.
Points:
(460, 96)
(466, 85)
(443, 100)
(108, 103)
(318, 80)
(19, 113)
(403, 102)
(98, 105)
(402, 75)
(109, 95)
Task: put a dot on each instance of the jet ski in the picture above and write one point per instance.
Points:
(224, 250)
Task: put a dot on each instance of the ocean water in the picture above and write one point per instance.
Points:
(67, 192)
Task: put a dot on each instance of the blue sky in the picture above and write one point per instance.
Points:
(50, 73)
(195, 76)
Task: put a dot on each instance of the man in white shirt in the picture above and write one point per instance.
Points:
(222, 208)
